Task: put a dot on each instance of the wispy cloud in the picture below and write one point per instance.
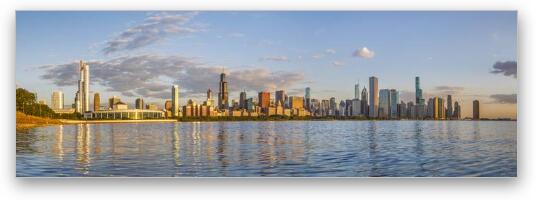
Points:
(364, 52)
(330, 51)
(152, 75)
(275, 58)
(338, 63)
(154, 28)
(507, 68)
(504, 98)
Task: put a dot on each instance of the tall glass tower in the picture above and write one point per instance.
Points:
(419, 95)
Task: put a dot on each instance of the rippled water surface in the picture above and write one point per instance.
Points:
(293, 148)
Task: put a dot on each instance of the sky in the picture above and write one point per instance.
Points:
(470, 54)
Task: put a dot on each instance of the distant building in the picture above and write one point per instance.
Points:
(112, 101)
(384, 103)
(82, 95)
(96, 102)
(263, 100)
(120, 106)
(140, 103)
(296, 102)
(57, 100)
(356, 106)
(449, 108)
(374, 97)
(364, 102)
(308, 102)
(223, 101)
(342, 108)
(357, 91)
(475, 111)
(280, 97)
(394, 101)
(151, 106)
(457, 111)
(243, 98)
(332, 106)
(419, 93)
(175, 107)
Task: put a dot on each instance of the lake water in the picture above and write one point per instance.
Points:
(283, 149)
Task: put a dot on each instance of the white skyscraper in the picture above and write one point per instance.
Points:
(175, 106)
(82, 95)
(57, 100)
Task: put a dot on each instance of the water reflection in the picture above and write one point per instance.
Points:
(346, 148)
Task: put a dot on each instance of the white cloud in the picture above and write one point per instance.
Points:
(330, 51)
(364, 52)
(154, 28)
(338, 63)
(276, 58)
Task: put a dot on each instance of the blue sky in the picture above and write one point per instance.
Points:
(452, 52)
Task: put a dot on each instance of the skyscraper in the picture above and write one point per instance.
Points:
(209, 98)
(174, 97)
(394, 101)
(332, 106)
(475, 111)
(96, 102)
(449, 109)
(243, 98)
(296, 102)
(263, 100)
(374, 97)
(222, 101)
(82, 95)
(57, 100)
(280, 96)
(364, 102)
(307, 98)
(140, 103)
(457, 111)
(384, 103)
(357, 91)
(419, 93)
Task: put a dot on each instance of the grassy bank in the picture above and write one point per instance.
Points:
(27, 121)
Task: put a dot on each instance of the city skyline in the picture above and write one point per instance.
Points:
(333, 67)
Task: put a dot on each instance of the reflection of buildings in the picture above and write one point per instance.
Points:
(58, 147)
(83, 147)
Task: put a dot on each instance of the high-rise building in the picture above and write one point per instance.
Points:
(140, 103)
(112, 101)
(209, 98)
(449, 108)
(243, 98)
(384, 103)
(349, 107)
(394, 101)
(457, 111)
(419, 93)
(374, 97)
(342, 108)
(174, 98)
(332, 106)
(57, 100)
(364, 102)
(82, 95)
(263, 100)
(357, 91)
(307, 99)
(430, 108)
(296, 102)
(441, 109)
(96, 102)
(475, 112)
(356, 106)
(222, 101)
(280, 97)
